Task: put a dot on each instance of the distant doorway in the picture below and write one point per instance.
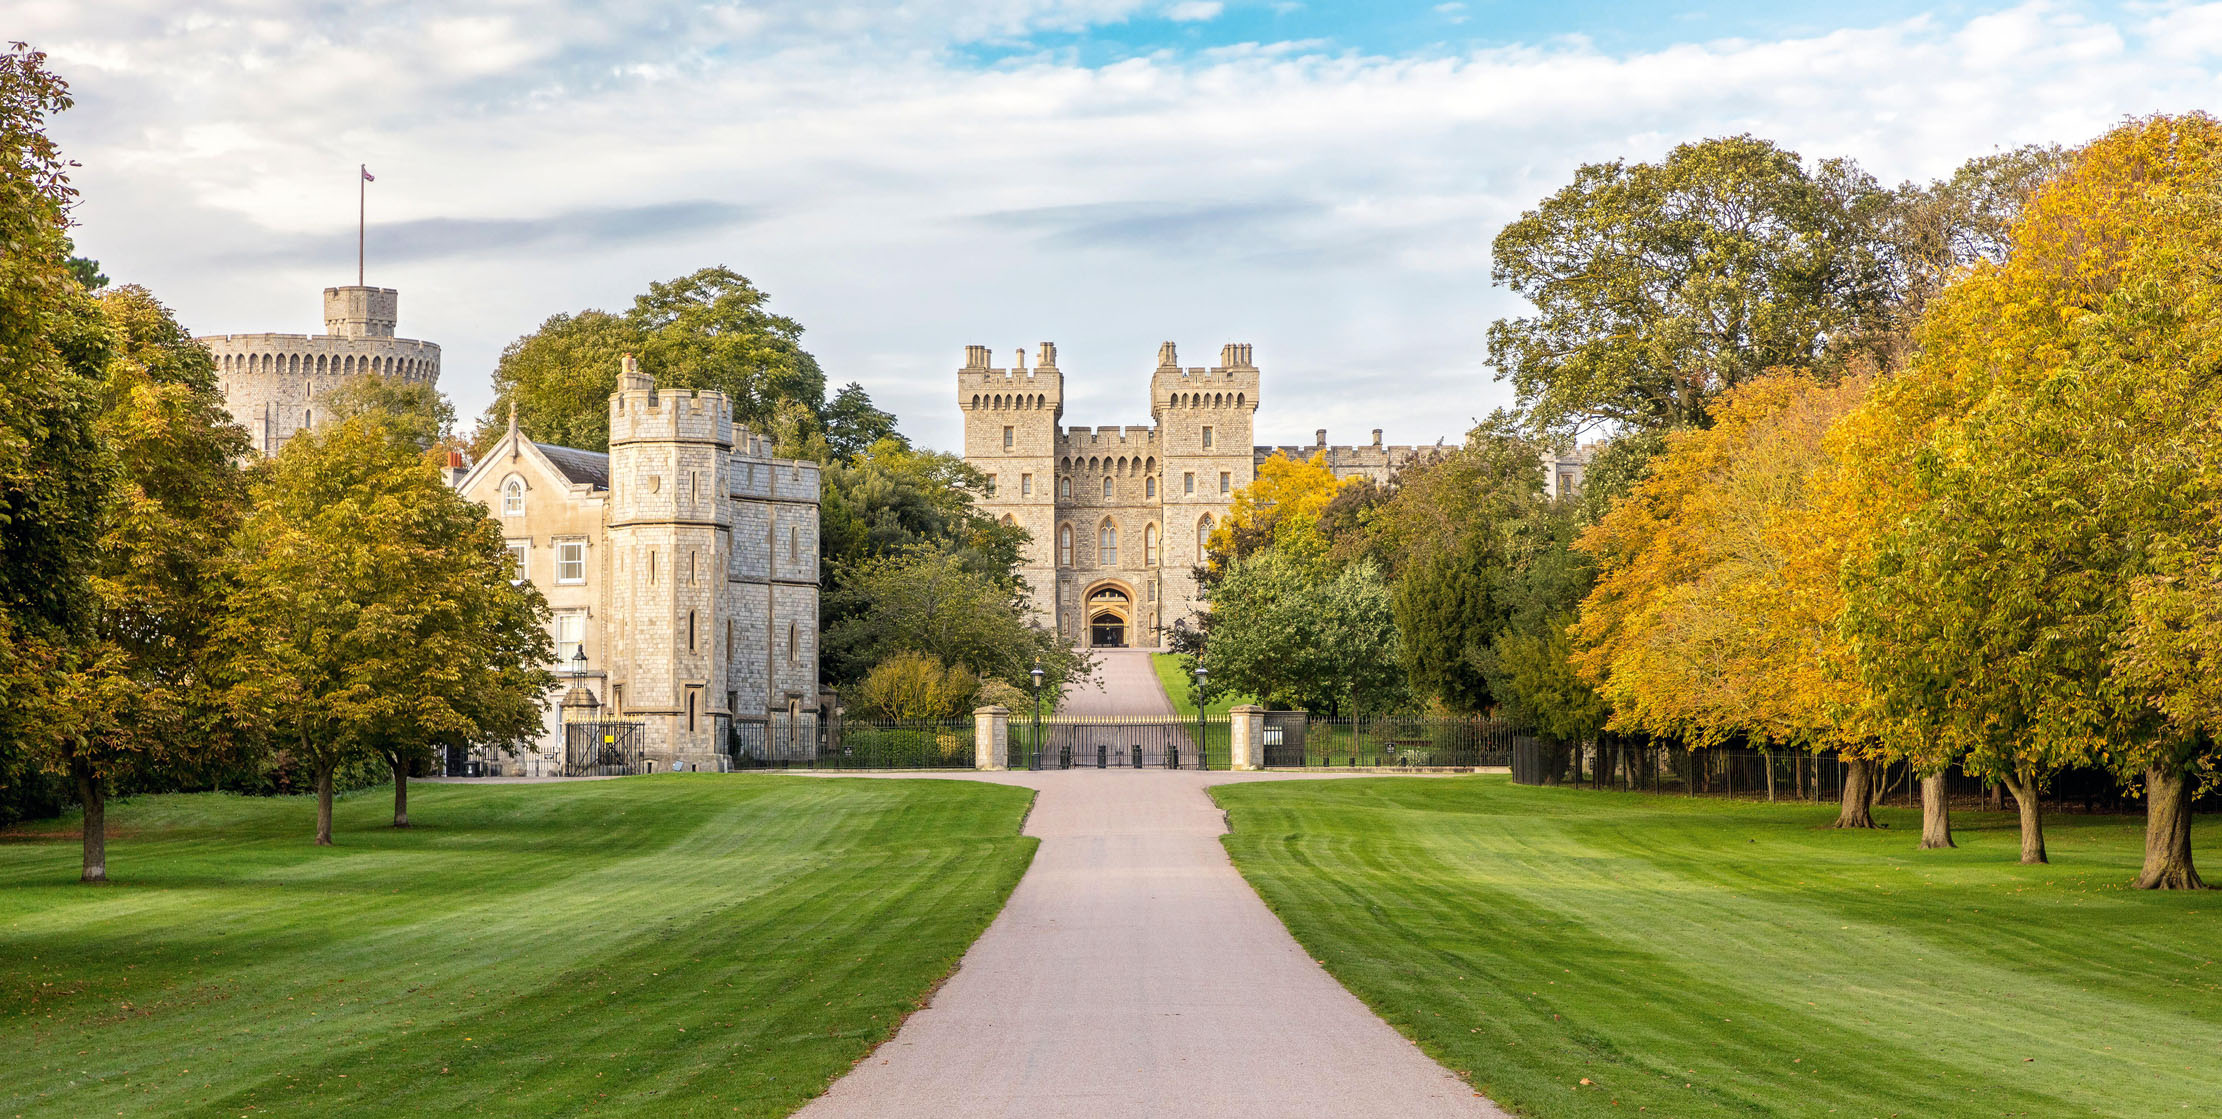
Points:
(1107, 631)
(1110, 611)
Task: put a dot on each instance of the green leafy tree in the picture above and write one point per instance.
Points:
(711, 329)
(371, 613)
(1295, 633)
(416, 409)
(929, 601)
(55, 480)
(853, 425)
(892, 498)
(138, 688)
(1656, 286)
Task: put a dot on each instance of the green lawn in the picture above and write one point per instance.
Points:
(670, 945)
(1711, 959)
(1179, 687)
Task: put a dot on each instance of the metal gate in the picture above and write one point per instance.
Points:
(1283, 732)
(601, 749)
(1110, 744)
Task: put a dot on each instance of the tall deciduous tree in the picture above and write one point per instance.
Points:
(1293, 632)
(711, 329)
(55, 482)
(138, 688)
(371, 612)
(1657, 286)
(922, 599)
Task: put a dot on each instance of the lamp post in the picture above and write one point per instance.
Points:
(580, 708)
(1203, 759)
(1036, 745)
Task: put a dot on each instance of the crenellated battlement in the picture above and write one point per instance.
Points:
(642, 413)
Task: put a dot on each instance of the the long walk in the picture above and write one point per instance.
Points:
(1135, 973)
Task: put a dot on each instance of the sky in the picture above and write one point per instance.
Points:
(906, 178)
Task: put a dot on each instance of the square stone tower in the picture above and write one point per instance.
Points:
(1204, 423)
(1011, 421)
(668, 537)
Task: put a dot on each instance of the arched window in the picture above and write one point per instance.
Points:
(1149, 545)
(1149, 487)
(1064, 546)
(308, 417)
(1203, 536)
(1107, 487)
(790, 642)
(1107, 545)
(513, 498)
(1064, 487)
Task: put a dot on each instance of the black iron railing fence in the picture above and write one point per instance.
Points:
(1637, 763)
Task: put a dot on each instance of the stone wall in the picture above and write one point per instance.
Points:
(273, 383)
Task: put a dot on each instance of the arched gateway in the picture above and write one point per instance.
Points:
(1110, 610)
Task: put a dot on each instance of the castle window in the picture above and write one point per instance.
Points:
(1010, 436)
(1064, 487)
(571, 561)
(1188, 483)
(308, 417)
(513, 498)
(1026, 485)
(791, 642)
(1203, 536)
(519, 551)
(1064, 546)
(651, 567)
(1107, 488)
(1149, 487)
(691, 700)
(690, 631)
(1226, 482)
(991, 485)
(570, 634)
(1207, 437)
(1149, 545)
(1107, 545)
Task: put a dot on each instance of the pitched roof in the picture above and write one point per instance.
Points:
(590, 467)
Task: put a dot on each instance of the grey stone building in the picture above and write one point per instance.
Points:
(1119, 515)
(683, 564)
(272, 382)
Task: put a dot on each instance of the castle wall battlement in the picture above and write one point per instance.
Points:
(273, 382)
(671, 415)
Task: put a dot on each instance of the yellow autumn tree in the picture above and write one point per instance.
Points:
(1278, 510)
(1714, 613)
(2031, 600)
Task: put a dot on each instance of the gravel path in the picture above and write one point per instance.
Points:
(1135, 973)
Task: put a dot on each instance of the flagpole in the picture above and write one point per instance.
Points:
(362, 199)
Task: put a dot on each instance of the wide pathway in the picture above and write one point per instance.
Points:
(1125, 684)
(1135, 973)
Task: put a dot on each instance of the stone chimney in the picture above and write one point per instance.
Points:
(1377, 437)
(1319, 438)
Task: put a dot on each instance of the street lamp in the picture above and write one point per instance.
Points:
(1037, 675)
(1203, 761)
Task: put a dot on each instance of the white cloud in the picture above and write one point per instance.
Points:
(1194, 11)
(1333, 207)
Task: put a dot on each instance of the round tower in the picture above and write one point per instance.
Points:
(272, 383)
(669, 536)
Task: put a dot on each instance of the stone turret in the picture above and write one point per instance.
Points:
(272, 382)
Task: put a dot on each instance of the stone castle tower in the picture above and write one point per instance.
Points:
(668, 536)
(272, 382)
(1117, 514)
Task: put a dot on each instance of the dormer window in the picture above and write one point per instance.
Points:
(513, 498)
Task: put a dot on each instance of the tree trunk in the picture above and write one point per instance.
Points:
(323, 804)
(1856, 810)
(400, 790)
(2023, 784)
(2168, 833)
(92, 792)
(1936, 813)
(1768, 760)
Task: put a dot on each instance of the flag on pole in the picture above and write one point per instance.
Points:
(368, 177)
